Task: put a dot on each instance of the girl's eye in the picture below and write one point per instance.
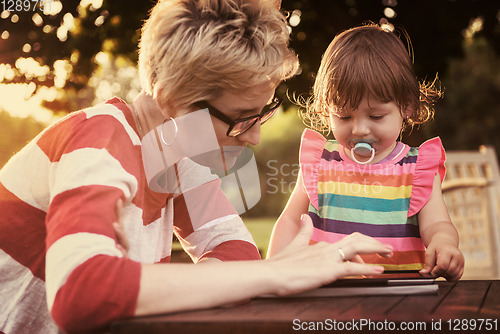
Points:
(377, 117)
(343, 118)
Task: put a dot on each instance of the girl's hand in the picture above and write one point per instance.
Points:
(322, 263)
(121, 238)
(443, 258)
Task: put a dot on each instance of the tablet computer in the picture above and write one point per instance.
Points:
(400, 282)
(387, 278)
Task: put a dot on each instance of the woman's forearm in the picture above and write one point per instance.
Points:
(299, 267)
(181, 287)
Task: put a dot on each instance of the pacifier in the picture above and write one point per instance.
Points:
(364, 148)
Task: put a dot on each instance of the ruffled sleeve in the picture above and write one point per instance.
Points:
(430, 161)
(311, 150)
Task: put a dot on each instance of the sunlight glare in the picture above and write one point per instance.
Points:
(385, 25)
(389, 12)
(295, 18)
(67, 24)
(6, 72)
(99, 21)
(474, 26)
(29, 66)
(54, 7)
(94, 4)
(102, 58)
(19, 106)
(62, 70)
(103, 91)
(47, 29)
(37, 19)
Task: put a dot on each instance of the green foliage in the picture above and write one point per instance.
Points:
(261, 229)
(113, 28)
(467, 118)
(469, 115)
(16, 133)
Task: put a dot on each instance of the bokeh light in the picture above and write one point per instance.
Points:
(389, 12)
(52, 7)
(37, 19)
(295, 18)
(474, 26)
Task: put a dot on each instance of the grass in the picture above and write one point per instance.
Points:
(261, 229)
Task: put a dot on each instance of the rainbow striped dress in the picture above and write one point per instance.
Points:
(380, 200)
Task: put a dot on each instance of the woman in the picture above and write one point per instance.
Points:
(57, 196)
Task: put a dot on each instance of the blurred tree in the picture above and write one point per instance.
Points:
(469, 116)
(87, 50)
(76, 31)
(65, 38)
(435, 29)
(16, 133)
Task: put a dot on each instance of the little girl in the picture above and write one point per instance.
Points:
(367, 181)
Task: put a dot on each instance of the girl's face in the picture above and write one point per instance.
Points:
(373, 120)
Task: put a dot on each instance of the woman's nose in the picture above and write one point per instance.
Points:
(252, 135)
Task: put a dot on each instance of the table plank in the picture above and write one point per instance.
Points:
(373, 308)
(491, 305)
(265, 309)
(460, 300)
(330, 308)
(463, 301)
(205, 327)
(419, 307)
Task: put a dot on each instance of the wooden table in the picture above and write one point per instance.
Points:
(458, 307)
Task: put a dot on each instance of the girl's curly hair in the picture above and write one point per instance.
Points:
(368, 61)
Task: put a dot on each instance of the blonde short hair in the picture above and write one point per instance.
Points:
(191, 50)
(369, 61)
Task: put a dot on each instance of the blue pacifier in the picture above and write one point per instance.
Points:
(364, 148)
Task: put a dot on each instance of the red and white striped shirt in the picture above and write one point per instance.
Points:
(58, 253)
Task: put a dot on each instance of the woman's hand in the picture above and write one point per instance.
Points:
(121, 238)
(323, 262)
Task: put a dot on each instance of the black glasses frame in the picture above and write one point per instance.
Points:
(270, 108)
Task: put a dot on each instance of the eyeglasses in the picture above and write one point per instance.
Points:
(242, 125)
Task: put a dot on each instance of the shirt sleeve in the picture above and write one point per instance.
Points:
(430, 162)
(89, 284)
(205, 222)
(311, 149)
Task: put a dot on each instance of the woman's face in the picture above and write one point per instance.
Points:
(237, 106)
